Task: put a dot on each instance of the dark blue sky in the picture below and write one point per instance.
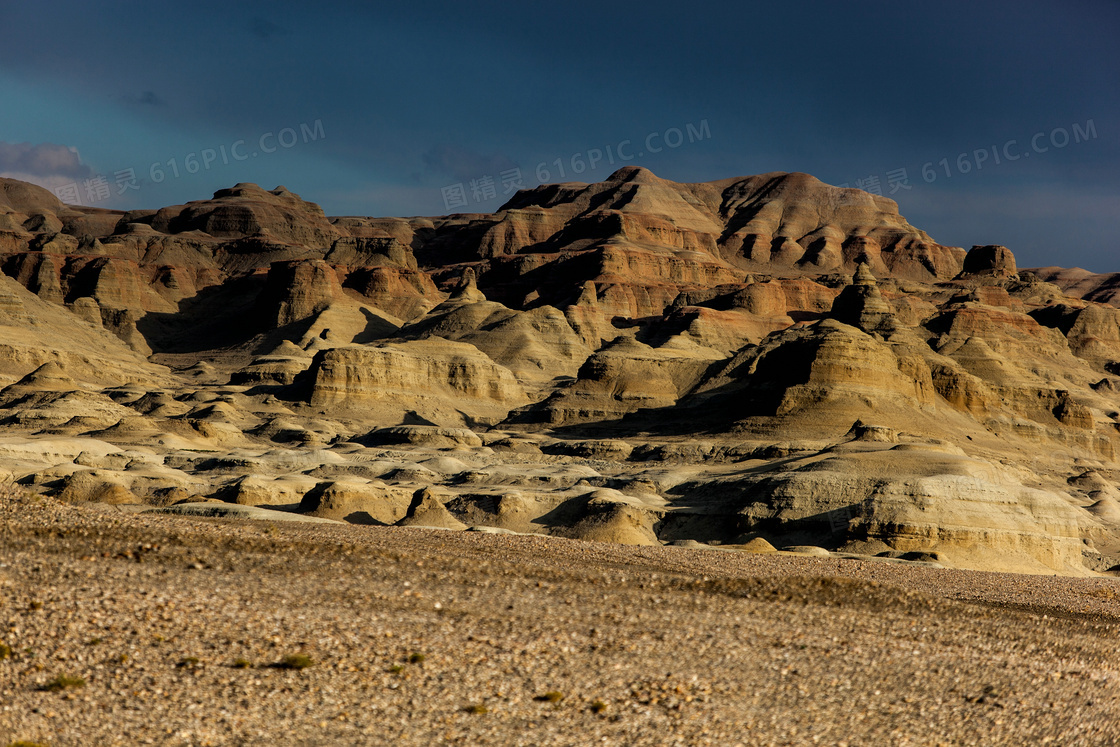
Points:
(375, 110)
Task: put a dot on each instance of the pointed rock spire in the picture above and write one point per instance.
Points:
(468, 288)
(589, 296)
(428, 510)
(861, 304)
(863, 276)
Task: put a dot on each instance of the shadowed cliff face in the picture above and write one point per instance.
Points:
(636, 360)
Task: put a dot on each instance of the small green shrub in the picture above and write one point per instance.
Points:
(296, 661)
(552, 696)
(477, 709)
(416, 658)
(188, 662)
(63, 682)
(598, 706)
(5, 651)
(396, 668)
(242, 664)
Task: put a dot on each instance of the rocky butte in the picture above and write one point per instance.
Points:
(756, 364)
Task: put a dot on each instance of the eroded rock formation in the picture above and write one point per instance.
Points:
(756, 362)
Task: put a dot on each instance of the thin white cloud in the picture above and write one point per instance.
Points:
(43, 160)
(48, 165)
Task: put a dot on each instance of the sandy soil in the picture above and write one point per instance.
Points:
(179, 629)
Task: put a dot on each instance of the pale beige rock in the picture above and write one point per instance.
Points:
(536, 344)
(443, 380)
(758, 545)
(96, 485)
(425, 435)
(428, 510)
(48, 333)
(259, 490)
(607, 520)
(626, 376)
(973, 511)
(357, 502)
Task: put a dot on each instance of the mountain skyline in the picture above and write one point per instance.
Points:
(987, 125)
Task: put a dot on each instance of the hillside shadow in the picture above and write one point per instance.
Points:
(220, 316)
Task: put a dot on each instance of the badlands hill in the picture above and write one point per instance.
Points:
(754, 363)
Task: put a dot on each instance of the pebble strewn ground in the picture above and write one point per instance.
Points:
(182, 631)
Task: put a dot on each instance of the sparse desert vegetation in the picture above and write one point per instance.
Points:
(551, 641)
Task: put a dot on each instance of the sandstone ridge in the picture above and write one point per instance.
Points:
(756, 362)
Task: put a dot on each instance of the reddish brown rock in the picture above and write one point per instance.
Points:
(297, 290)
(28, 199)
(862, 305)
(402, 292)
(990, 260)
(248, 210)
(116, 284)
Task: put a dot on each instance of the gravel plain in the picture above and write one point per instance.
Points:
(123, 629)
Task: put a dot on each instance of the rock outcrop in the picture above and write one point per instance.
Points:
(626, 376)
(862, 305)
(991, 259)
(764, 362)
(298, 289)
(444, 381)
(947, 504)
